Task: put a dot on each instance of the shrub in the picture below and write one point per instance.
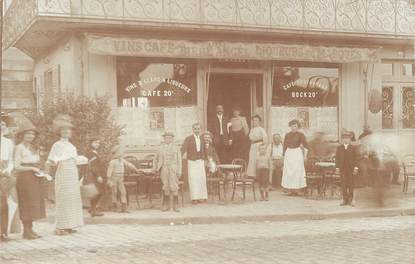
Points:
(90, 116)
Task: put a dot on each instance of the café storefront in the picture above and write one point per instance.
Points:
(170, 84)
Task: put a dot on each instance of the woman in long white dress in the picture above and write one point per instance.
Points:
(64, 155)
(257, 136)
(295, 149)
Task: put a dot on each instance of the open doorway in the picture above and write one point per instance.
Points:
(229, 90)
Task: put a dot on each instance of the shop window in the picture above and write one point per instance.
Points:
(408, 107)
(52, 82)
(305, 86)
(408, 69)
(387, 107)
(155, 83)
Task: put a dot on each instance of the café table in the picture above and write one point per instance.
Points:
(228, 169)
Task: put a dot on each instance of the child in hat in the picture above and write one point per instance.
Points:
(115, 175)
(168, 162)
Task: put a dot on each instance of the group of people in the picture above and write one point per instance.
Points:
(279, 162)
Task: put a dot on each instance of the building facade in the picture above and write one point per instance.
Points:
(165, 64)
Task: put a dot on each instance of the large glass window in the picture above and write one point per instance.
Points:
(155, 82)
(305, 86)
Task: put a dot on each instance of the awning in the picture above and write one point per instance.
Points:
(146, 47)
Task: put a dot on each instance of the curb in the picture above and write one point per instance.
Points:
(244, 219)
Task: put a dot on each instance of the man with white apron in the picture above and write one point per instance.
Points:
(194, 151)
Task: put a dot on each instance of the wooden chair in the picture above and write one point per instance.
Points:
(241, 179)
(214, 182)
(132, 182)
(407, 176)
(314, 182)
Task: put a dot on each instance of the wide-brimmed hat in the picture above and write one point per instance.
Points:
(168, 134)
(62, 121)
(347, 134)
(26, 127)
(207, 133)
(6, 118)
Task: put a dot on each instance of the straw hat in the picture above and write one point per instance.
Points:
(168, 134)
(26, 127)
(62, 121)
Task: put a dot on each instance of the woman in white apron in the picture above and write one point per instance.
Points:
(295, 148)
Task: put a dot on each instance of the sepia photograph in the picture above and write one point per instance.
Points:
(207, 131)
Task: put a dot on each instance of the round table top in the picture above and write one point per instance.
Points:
(229, 166)
(325, 164)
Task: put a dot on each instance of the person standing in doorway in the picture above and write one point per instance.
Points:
(346, 162)
(6, 178)
(28, 186)
(168, 162)
(257, 136)
(295, 151)
(220, 134)
(193, 148)
(239, 131)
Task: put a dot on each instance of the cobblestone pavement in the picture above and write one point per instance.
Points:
(365, 240)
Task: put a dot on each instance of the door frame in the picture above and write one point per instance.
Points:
(221, 70)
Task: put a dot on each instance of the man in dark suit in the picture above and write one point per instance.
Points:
(194, 150)
(219, 129)
(346, 162)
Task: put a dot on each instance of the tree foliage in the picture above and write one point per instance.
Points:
(90, 117)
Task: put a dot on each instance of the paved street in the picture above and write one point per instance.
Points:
(365, 240)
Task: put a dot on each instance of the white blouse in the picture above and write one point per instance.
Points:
(62, 150)
(25, 155)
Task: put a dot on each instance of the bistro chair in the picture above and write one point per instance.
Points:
(214, 182)
(408, 175)
(241, 179)
(131, 183)
(314, 182)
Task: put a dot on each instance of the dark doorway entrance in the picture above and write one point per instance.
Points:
(229, 90)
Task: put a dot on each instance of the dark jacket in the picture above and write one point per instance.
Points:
(95, 168)
(214, 128)
(346, 160)
(189, 147)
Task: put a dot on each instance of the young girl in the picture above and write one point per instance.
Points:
(263, 164)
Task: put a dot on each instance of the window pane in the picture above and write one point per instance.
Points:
(386, 69)
(408, 69)
(305, 86)
(408, 107)
(155, 83)
(387, 107)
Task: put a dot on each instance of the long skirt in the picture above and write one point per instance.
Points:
(68, 196)
(253, 153)
(30, 197)
(293, 176)
(239, 147)
(197, 179)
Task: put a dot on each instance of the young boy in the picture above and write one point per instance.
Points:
(115, 176)
(263, 165)
(346, 162)
(169, 163)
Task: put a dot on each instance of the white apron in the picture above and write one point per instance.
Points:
(293, 176)
(197, 179)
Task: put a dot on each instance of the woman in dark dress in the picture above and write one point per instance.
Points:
(295, 149)
(239, 131)
(28, 185)
(95, 175)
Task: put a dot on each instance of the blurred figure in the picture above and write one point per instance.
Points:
(211, 155)
(346, 161)
(262, 165)
(363, 159)
(391, 164)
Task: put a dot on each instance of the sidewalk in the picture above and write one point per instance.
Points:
(280, 208)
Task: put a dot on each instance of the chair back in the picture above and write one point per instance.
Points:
(241, 172)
